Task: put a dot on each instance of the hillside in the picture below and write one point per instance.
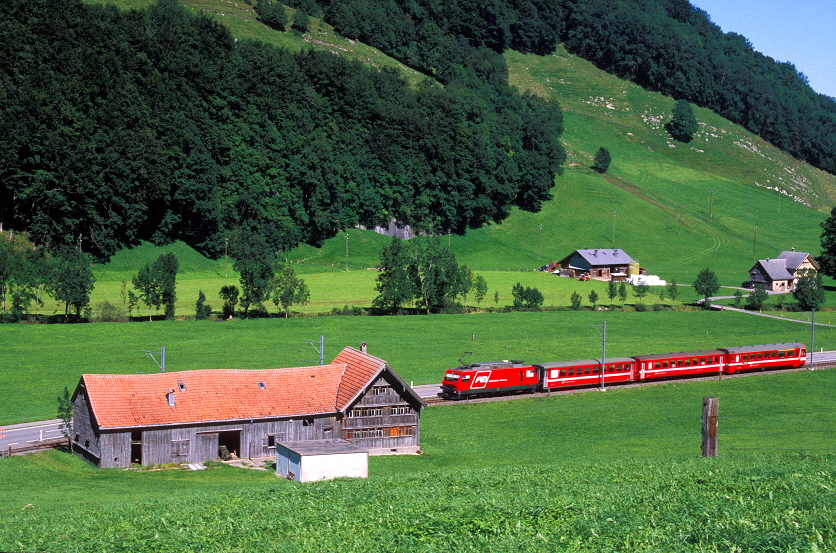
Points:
(659, 191)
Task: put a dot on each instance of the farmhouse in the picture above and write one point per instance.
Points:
(193, 416)
(599, 264)
(781, 273)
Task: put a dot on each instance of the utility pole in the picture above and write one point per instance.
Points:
(603, 332)
(161, 353)
(755, 246)
(614, 213)
(320, 349)
(812, 338)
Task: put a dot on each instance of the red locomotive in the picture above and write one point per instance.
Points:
(502, 377)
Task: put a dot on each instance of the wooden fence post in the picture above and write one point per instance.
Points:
(710, 407)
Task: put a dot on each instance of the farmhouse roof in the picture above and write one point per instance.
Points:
(211, 395)
(775, 269)
(794, 259)
(602, 257)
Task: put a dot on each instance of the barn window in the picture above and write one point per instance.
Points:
(179, 447)
(307, 422)
(271, 440)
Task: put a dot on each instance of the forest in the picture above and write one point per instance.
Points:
(157, 125)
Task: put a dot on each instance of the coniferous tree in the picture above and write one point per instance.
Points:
(683, 125)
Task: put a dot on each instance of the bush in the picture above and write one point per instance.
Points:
(640, 307)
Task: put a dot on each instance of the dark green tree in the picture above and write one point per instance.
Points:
(66, 409)
(683, 125)
(289, 290)
(593, 299)
(757, 297)
(527, 297)
(301, 21)
(71, 279)
(602, 160)
(827, 257)
(202, 310)
(738, 297)
(612, 291)
(640, 290)
(229, 294)
(673, 290)
(147, 286)
(809, 292)
(165, 274)
(398, 277)
(481, 286)
(622, 293)
(271, 13)
(254, 262)
(706, 285)
(575, 299)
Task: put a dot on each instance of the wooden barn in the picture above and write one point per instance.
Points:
(191, 416)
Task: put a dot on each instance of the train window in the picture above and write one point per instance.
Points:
(596, 370)
(587, 371)
(451, 377)
(679, 363)
(687, 362)
(780, 355)
(774, 354)
(657, 365)
(760, 356)
(562, 372)
(702, 360)
(571, 372)
(529, 373)
(466, 378)
(664, 364)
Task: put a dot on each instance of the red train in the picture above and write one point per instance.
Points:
(500, 377)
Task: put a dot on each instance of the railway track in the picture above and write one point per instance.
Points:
(435, 401)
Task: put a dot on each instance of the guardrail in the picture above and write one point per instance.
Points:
(33, 447)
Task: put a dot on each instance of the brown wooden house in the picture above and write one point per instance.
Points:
(186, 417)
(599, 264)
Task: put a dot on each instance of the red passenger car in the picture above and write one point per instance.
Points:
(685, 363)
(769, 356)
(587, 372)
(489, 378)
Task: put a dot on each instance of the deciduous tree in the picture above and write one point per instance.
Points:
(289, 290)
(706, 285)
(827, 257)
(757, 297)
(809, 292)
(71, 279)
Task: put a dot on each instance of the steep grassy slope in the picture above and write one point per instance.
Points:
(674, 207)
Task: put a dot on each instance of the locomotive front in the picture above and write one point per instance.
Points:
(489, 378)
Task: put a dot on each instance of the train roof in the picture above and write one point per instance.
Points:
(765, 347)
(677, 354)
(483, 365)
(584, 362)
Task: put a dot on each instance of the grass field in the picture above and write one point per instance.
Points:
(39, 360)
(618, 471)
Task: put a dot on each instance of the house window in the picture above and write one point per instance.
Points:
(399, 410)
(379, 390)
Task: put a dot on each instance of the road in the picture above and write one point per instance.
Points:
(27, 434)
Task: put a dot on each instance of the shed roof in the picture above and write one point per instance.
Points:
(209, 395)
(321, 447)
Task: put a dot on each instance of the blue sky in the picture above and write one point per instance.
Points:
(801, 31)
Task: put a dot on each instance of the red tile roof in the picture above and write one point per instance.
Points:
(128, 400)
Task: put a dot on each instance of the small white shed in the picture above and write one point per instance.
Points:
(313, 460)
